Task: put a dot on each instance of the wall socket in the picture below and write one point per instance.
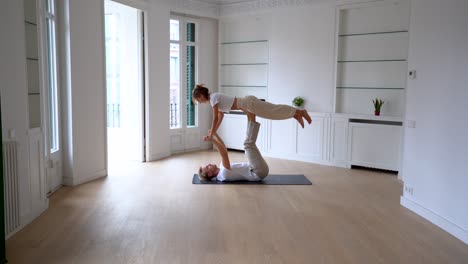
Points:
(408, 189)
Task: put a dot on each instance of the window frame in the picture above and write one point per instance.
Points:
(51, 83)
(183, 89)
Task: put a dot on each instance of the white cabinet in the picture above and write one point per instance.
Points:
(287, 139)
(339, 141)
(232, 130)
(375, 145)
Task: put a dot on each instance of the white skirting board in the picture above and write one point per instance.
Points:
(70, 181)
(436, 219)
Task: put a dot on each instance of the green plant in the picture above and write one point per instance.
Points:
(298, 101)
(378, 104)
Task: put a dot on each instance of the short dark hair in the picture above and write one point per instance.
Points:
(200, 90)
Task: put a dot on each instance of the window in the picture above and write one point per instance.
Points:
(51, 22)
(183, 73)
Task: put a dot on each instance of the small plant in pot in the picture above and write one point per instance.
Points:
(298, 102)
(377, 105)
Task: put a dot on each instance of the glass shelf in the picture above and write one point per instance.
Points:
(372, 33)
(371, 60)
(235, 64)
(31, 23)
(34, 59)
(261, 86)
(240, 42)
(34, 93)
(373, 88)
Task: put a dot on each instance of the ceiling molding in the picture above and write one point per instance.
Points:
(200, 8)
(194, 8)
(262, 5)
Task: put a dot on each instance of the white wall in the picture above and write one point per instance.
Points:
(208, 69)
(302, 47)
(435, 151)
(85, 87)
(158, 80)
(13, 92)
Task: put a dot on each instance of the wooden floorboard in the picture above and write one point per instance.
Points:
(151, 213)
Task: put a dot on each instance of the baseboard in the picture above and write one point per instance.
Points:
(70, 181)
(296, 157)
(159, 156)
(436, 219)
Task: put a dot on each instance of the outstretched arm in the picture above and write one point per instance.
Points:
(217, 119)
(222, 150)
(214, 123)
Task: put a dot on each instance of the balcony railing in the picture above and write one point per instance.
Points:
(174, 115)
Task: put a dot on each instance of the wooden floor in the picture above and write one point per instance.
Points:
(151, 213)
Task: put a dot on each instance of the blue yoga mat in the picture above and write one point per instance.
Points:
(273, 179)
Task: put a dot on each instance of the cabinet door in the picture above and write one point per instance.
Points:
(339, 140)
(232, 131)
(375, 145)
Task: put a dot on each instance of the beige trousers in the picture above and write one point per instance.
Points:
(265, 109)
(257, 164)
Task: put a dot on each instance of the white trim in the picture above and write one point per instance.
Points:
(436, 219)
(159, 156)
(137, 4)
(72, 181)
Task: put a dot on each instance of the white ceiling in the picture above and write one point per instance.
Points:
(224, 2)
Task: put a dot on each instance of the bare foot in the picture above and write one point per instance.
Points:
(306, 116)
(298, 117)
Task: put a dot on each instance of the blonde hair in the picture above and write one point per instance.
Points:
(202, 175)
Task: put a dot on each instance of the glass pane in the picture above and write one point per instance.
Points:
(174, 99)
(174, 29)
(50, 6)
(190, 85)
(191, 32)
(113, 85)
(53, 98)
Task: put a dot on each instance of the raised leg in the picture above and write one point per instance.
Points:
(258, 165)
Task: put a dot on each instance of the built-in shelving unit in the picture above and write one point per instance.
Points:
(372, 41)
(243, 70)
(244, 60)
(372, 58)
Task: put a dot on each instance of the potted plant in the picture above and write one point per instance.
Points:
(298, 101)
(377, 106)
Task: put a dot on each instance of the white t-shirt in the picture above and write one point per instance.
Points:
(224, 101)
(238, 172)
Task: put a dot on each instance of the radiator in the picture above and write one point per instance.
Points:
(10, 186)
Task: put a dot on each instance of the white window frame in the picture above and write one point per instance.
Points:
(183, 44)
(51, 116)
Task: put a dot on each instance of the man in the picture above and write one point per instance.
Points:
(255, 170)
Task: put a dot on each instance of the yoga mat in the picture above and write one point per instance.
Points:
(273, 179)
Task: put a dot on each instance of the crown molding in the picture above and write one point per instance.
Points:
(194, 8)
(262, 5)
(198, 8)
